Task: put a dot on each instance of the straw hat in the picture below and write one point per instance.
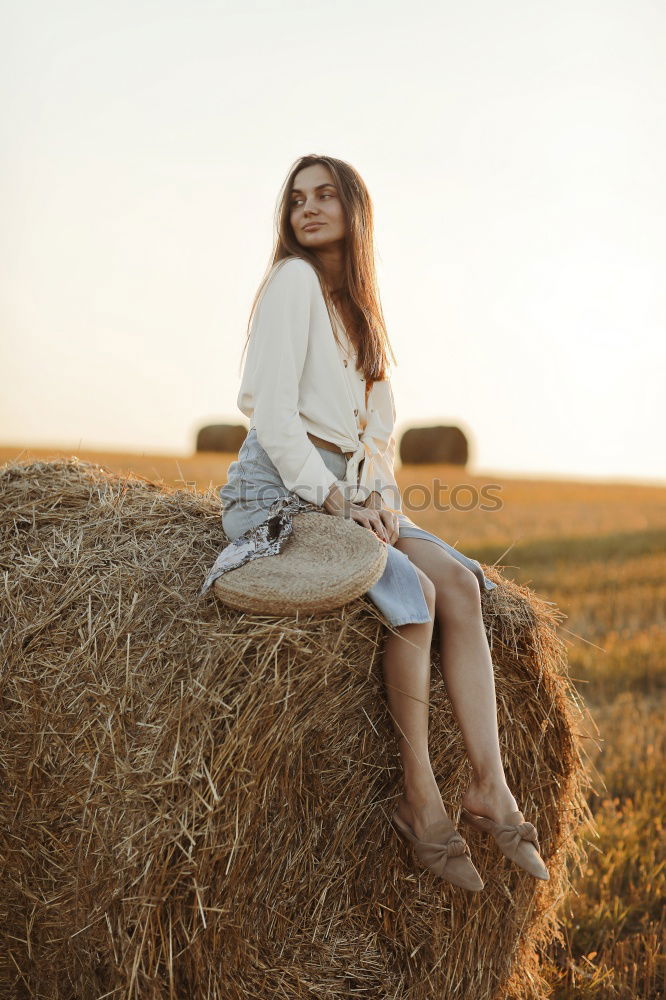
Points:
(326, 562)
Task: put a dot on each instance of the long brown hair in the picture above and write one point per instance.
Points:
(359, 294)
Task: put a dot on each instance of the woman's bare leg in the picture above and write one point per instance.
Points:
(468, 674)
(406, 670)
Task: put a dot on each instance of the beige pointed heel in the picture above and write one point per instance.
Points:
(516, 838)
(444, 852)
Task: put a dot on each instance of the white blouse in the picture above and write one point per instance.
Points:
(295, 380)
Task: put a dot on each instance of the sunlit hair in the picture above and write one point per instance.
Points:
(359, 293)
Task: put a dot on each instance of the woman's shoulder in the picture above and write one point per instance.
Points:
(289, 284)
(293, 269)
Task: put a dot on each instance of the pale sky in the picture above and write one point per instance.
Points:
(515, 154)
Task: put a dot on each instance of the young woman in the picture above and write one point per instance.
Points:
(316, 389)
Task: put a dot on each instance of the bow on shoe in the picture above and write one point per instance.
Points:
(509, 835)
(528, 831)
(430, 853)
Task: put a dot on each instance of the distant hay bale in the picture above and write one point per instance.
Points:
(434, 445)
(195, 802)
(221, 437)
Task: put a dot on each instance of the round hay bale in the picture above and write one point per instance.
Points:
(434, 445)
(195, 802)
(221, 437)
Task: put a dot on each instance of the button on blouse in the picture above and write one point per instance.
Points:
(354, 377)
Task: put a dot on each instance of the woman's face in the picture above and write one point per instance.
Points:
(315, 203)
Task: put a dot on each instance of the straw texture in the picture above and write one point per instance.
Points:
(195, 802)
(325, 563)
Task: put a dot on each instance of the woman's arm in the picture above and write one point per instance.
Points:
(374, 500)
(378, 472)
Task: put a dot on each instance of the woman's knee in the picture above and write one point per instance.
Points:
(457, 586)
(429, 589)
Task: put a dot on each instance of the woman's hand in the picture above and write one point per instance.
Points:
(369, 517)
(388, 516)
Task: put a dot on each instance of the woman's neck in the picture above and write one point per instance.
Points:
(333, 265)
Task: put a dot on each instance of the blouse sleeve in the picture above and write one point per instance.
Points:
(379, 436)
(275, 361)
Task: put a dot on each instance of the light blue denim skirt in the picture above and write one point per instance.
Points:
(253, 484)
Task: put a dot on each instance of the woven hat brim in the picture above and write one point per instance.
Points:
(325, 563)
